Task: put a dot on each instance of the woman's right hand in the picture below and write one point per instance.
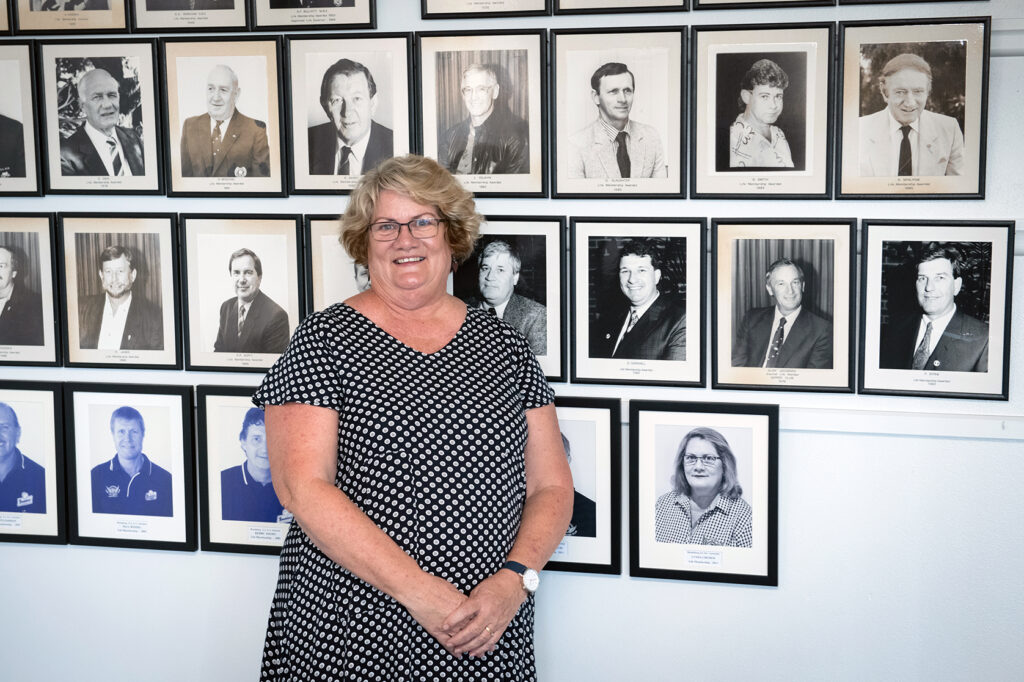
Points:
(432, 604)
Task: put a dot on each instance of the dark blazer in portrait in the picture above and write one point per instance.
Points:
(78, 155)
(323, 147)
(168, 5)
(265, 329)
(584, 516)
(940, 145)
(12, 148)
(244, 151)
(143, 328)
(808, 344)
(501, 145)
(660, 334)
(527, 317)
(21, 320)
(962, 348)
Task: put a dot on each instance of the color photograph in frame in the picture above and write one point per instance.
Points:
(131, 477)
(715, 461)
(32, 458)
(637, 306)
(242, 284)
(591, 436)
(935, 308)
(99, 108)
(617, 6)
(797, 270)
(67, 16)
(150, 16)
(223, 112)
(350, 107)
(19, 142)
(467, 9)
(28, 321)
(619, 118)
(484, 108)
(238, 508)
(516, 269)
(768, 90)
(913, 109)
(297, 15)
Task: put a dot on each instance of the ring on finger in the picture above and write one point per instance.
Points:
(488, 630)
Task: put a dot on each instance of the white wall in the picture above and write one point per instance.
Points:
(901, 526)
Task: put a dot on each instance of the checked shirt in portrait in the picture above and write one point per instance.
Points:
(726, 522)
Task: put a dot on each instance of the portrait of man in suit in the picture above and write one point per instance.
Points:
(584, 510)
(119, 319)
(224, 142)
(943, 337)
(129, 482)
(100, 146)
(299, 4)
(614, 145)
(905, 138)
(22, 481)
(351, 142)
(12, 148)
(21, 309)
(250, 321)
(177, 5)
(648, 324)
(785, 334)
(246, 491)
(491, 140)
(68, 5)
(754, 139)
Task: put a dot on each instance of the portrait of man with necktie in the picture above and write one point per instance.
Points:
(250, 321)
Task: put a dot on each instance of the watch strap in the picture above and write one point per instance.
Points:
(515, 567)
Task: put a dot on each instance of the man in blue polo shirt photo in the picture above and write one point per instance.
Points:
(129, 483)
(246, 491)
(22, 481)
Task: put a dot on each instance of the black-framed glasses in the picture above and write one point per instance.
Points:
(423, 227)
(706, 460)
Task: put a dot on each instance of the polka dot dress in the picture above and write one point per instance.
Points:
(430, 447)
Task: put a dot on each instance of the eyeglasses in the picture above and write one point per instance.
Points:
(421, 228)
(706, 460)
(479, 90)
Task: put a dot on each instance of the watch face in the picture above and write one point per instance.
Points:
(531, 581)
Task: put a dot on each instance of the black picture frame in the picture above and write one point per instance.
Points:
(92, 412)
(20, 170)
(331, 276)
(209, 242)
(971, 359)
(593, 543)
(655, 428)
(38, 427)
(144, 258)
(584, 164)
(819, 349)
(245, 168)
(759, 4)
(868, 158)
(103, 16)
(323, 14)
(892, 2)
(182, 15)
(36, 340)
(249, 532)
(624, 6)
(463, 9)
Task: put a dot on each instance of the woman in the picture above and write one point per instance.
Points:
(705, 506)
(416, 443)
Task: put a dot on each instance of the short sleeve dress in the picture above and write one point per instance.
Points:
(431, 448)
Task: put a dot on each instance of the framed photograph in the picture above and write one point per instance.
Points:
(782, 304)
(890, 2)
(32, 457)
(189, 15)
(756, 4)
(466, 9)
(291, 15)
(19, 141)
(350, 108)
(618, 6)
(591, 435)
(223, 114)
(703, 491)
(619, 112)
(763, 106)
(238, 507)
(65, 16)
(516, 270)
(119, 298)
(637, 286)
(99, 112)
(242, 284)
(484, 103)
(913, 111)
(935, 308)
(331, 274)
(5, 18)
(28, 316)
(131, 477)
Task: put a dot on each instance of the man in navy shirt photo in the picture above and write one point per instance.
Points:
(246, 492)
(22, 481)
(129, 483)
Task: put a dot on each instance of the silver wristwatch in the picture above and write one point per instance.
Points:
(531, 580)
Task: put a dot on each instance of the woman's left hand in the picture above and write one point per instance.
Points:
(479, 622)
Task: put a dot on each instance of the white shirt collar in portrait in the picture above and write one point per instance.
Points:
(223, 126)
(939, 325)
(790, 319)
(112, 328)
(896, 137)
(355, 158)
(640, 310)
(612, 132)
(499, 309)
(99, 141)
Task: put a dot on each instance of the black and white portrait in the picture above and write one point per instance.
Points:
(18, 162)
(178, 5)
(319, 14)
(21, 286)
(53, 16)
(186, 15)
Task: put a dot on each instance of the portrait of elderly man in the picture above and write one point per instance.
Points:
(21, 309)
(648, 324)
(362, 277)
(614, 145)
(246, 491)
(224, 142)
(250, 321)
(785, 334)
(499, 265)
(491, 140)
(22, 481)
(754, 139)
(584, 510)
(943, 338)
(100, 146)
(351, 141)
(129, 483)
(119, 318)
(12, 148)
(905, 138)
